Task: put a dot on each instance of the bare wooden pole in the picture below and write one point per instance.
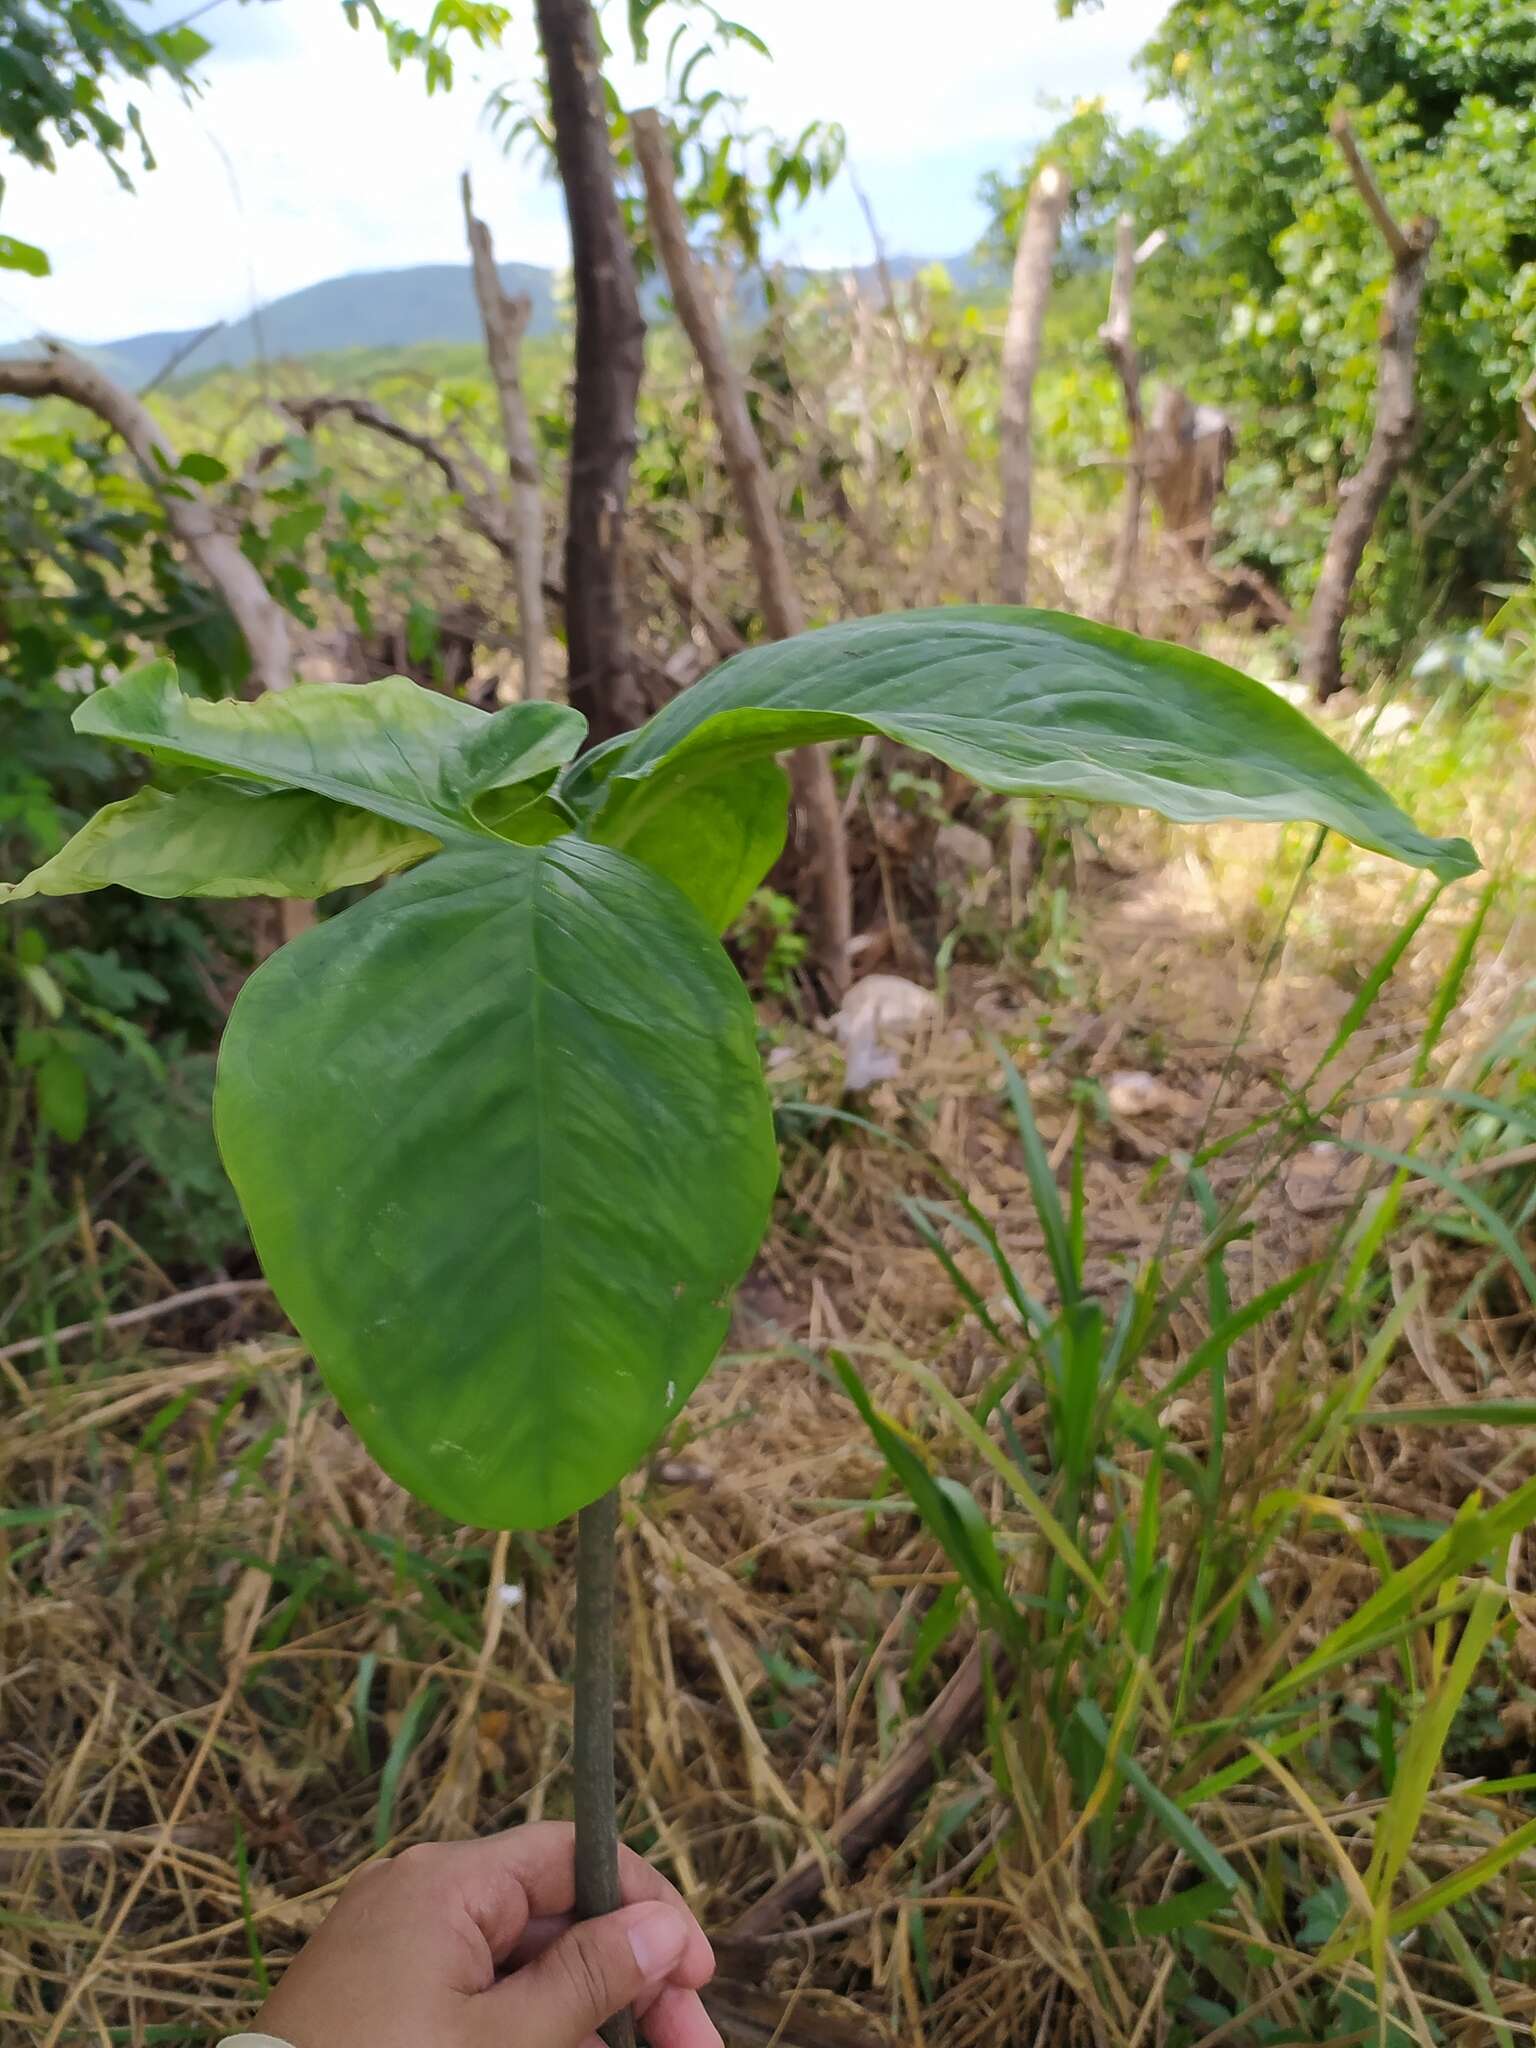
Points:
(811, 773)
(1048, 199)
(263, 624)
(1118, 334)
(505, 316)
(1396, 427)
(610, 356)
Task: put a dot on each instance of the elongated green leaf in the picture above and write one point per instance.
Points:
(1476, 1534)
(1175, 1823)
(719, 840)
(390, 747)
(948, 1511)
(407, 1735)
(1398, 1825)
(17, 255)
(221, 838)
(502, 1137)
(1446, 1414)
(1043, 1191)
(1184, 1909)
(1024, 702)
(1446, 1178)
(1460, 1884)
(1214, 1350)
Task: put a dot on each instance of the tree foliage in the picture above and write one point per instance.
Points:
(1271, 297)
(60, 61)
(734, 177)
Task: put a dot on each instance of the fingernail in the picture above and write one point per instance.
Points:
(658, 1938)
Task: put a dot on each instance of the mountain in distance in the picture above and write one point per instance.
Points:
(369, 309)
(430, 302)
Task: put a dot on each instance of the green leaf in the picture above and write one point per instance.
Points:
(203, 469)
(949, 1512)
(45, 991)
(938, 1625)
(534, 1074)
(1176, 1825)
(1449, 1414)
(15, 255)
(220, 838)
(291, 529)
(1023, 702)
(1183, 1909)
(717, 841)
(522, 747)
(422, 628)
(181, 46)
(61, 1096)
(1213, 1351)
(413, 1723)
(389, 747)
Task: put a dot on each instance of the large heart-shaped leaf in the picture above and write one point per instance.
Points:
(717, 840)
(501, 1134)
(1023, 702)
(221, 838)
(389, 747)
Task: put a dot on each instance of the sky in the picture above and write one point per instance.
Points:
(304, 157)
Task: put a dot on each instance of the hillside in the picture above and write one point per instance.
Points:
(375, 308)
(430, 302)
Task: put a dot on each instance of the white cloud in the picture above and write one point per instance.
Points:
(306, 156)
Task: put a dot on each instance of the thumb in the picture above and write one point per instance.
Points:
(592, 1972)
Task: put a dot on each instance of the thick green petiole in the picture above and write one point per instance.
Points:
(597, 1820)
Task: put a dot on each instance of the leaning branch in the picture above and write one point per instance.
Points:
(1032, 268)
(815, 790)
(1397, 242)
(1118, 335)
(1363, 496)
(59, 373)
(879, 1808)
(504, 316)
(483, 510)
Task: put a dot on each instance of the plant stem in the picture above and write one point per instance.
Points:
(597, 1820)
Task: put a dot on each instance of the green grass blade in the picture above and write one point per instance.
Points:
(1044, 1192)
(1176, 1824)
(1211, 1355)
(1496, 1414)
(1460, 1884)
(1442, 1176)
(1474, 1536)
(1050, 1528)
(252, 1938)
(412, 1723)
(1448, 993)
(1380, 974)
(1420, 1757)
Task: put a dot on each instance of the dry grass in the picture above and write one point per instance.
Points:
(237, 1660)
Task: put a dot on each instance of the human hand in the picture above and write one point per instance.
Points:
(473, 1945)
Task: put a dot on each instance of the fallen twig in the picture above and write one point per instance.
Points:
(952, 1715)
(126, 1318)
